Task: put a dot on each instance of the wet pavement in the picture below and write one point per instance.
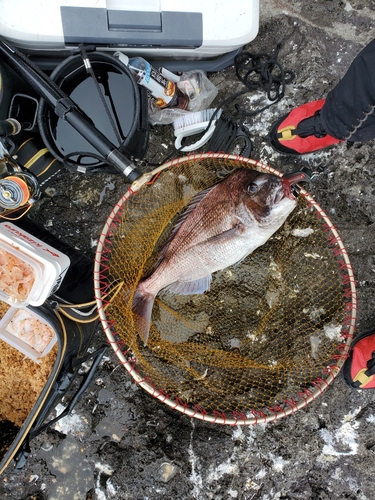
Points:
(120, 442)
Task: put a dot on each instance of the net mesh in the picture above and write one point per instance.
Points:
(269, 327)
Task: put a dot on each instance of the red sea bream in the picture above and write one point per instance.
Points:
(220, 227)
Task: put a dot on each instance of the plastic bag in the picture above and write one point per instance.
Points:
(197, 87)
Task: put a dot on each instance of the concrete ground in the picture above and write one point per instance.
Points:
(121, 443)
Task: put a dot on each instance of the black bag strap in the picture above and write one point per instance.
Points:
(371, 365)
(25, 450)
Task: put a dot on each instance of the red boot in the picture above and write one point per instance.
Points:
(301, 131)
(359, 368)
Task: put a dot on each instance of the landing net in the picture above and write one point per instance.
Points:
(270, 335)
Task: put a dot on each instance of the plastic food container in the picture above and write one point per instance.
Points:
(28, 332)
(30, 270)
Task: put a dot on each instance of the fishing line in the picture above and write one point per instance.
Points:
(258, 71)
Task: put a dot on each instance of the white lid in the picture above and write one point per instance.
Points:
(48, 265)
(28, 332)
(226, 26)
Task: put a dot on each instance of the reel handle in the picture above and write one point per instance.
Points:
(8, 127)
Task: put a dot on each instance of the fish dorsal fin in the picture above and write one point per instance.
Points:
(190, 207)
(190, 287)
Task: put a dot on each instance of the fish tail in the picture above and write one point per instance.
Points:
(143, 303)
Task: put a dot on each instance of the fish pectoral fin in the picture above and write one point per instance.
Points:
(226, 235)
(242, 259)
(190, 287)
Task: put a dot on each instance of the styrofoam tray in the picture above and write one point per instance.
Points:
(24, 251)
(28, 332)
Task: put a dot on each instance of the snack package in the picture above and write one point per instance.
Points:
(200, 91)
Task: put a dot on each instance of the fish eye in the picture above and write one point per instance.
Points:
(253, 188)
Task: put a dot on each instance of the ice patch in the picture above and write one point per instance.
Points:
(195, 478)
(99, 494)
(274, 495)
(278, 462)
(227, 467)
(104, 469)
(108, 187)
(255, 338)
(261, 474)
(235, 343)
(314, 313)
(230, 466)
(302, 233)
(337, 475)
(110, 489)
(73, 424)
(238, 434)
(275, 270)
(333, 332)
(343, 441)
(315, 342)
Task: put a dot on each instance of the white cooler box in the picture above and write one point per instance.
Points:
(155, 29)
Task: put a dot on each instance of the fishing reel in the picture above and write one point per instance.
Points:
(18, 190)
(26, 166)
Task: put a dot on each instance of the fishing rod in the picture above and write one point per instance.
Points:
(67, 110)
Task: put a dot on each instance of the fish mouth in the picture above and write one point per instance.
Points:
(289, 181)
(280, 195)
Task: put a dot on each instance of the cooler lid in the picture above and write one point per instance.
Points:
(158, 24)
